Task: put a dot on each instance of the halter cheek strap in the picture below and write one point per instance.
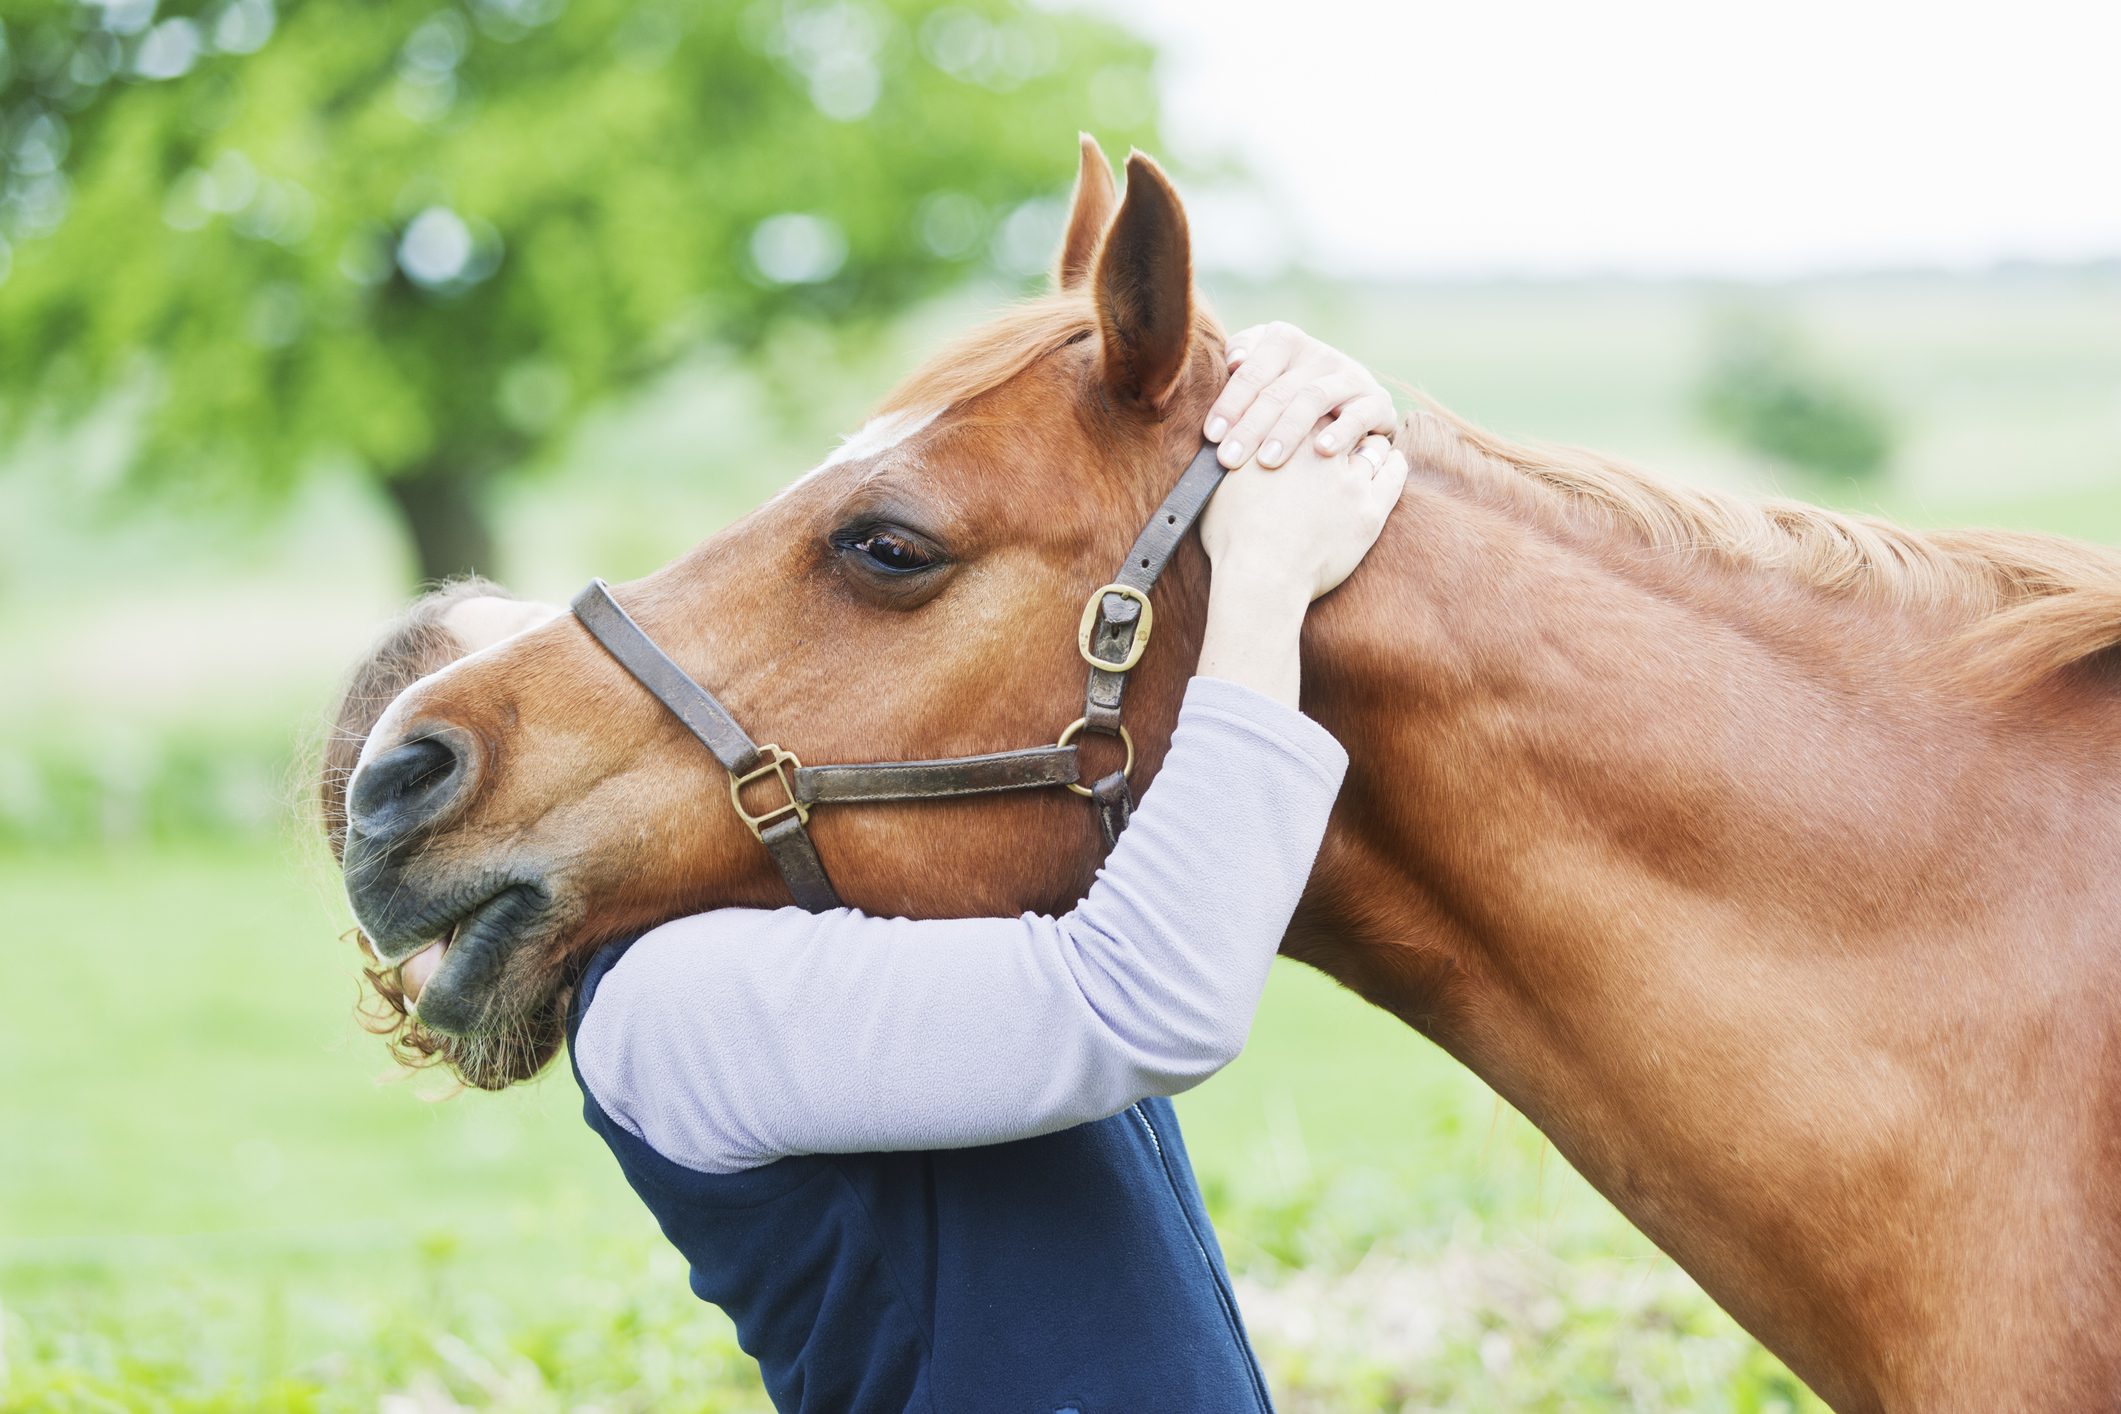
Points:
(781, 830)
(1116, 626)
(1117, 621)
(1112, 637)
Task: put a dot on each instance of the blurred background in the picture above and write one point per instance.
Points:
(304, 302)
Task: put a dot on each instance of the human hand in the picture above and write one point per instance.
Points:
(1301, 530)
(1283, 385)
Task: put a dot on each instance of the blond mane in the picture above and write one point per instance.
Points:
(2030, 604)
(994, 353)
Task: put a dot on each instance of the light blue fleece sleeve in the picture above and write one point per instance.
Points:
(730, 1039)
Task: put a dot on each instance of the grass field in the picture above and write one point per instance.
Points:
(213, 1197)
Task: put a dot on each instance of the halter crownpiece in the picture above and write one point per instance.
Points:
(1112, 637)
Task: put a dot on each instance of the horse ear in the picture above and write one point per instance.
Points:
(1088, 216)
(1144, 288)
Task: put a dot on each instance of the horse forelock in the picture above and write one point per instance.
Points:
(1002, 349)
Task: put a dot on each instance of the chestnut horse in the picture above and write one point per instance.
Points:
(1768, 859)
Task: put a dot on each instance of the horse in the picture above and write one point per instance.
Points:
(1768, 859)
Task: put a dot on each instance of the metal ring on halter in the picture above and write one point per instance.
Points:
(1074, 729)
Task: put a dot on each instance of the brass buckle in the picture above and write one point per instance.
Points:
(1074, 729)
(1091, 611)
(777, 764)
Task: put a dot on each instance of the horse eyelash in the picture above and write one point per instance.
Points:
(853, 537)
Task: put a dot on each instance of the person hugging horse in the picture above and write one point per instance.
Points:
(934, 1165)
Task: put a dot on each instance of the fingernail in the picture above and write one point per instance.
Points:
(1233, 454)
(1216, 428)
(1271, 454)
(1234, 356)
(1329, 444)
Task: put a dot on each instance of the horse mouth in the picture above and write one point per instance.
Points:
(467, 993)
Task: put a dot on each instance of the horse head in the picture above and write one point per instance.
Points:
(914, 596)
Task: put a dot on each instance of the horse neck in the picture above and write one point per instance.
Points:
(1668, 853)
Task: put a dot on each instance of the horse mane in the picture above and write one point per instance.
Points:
(2030, 604)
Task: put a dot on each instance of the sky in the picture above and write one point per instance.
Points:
(1641, 137)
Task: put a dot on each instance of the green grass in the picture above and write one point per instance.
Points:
(214, 1197)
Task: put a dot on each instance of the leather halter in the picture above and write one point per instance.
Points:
(1114, 632)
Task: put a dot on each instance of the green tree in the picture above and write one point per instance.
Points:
(1766, 391)
(425, 235)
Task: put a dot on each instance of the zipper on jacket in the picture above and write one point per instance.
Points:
(1223, 1296)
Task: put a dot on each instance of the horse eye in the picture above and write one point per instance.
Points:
(893, 552)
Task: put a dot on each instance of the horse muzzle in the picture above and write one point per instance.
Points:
(486, 925)
(406, 891)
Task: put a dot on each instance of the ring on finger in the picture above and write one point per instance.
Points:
(1374, 450)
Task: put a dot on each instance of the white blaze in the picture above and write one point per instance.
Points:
(880, 434)
(877, 435)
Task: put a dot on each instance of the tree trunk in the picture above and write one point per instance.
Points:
(444, 513)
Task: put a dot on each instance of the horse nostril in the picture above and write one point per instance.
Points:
(405, 788)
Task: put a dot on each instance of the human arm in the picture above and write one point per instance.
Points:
(733, 1038)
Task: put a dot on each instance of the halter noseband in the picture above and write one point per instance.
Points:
(1113, 634)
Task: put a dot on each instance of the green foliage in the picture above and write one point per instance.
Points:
(625, 1335)
(1769, 394)
(175, 781)
(426, 235)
